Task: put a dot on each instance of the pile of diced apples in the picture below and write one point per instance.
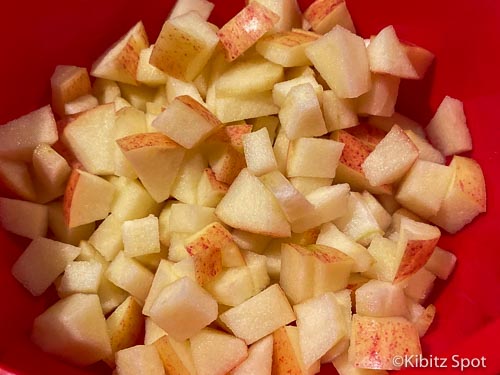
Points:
(245, 196)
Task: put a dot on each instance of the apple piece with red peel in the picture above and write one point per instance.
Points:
(441, 263)
(345, 367)
(244, 29)
(376, 341)
(419, 285)
(405, 123)
(187, 122)
(288, 12)
(282, 89)
(425, 319)
(339, 113)
(287, 355)
(148, 74)
(202, 7)
(270, 309)
(378, 211)
(382, 97)
(391, 158)
(349, 169)
(217, 353)
(381, 299)
(139, 359)
(229, 135)
(465, 198)
(63, 330)
(50, 169)
(259, 153)
(89, 136)
(368, 134)
(425, 150)
(119, 62)
(249, 206)
(23, 218)
(87, 198)
(424, 187)
(448, 130)
(388, 55)
(175, 355)
(16, 177)
(210, 191)
(300, 115)
(259, 360)
(176, 87)
(184, 46)
(420, 58)
(67, 84)
(226, 162)
(20, 137)
(341, 58)
(287, 48)
(323, 15)
(297, 272)
(156, 159)
(80, 277)
(131, 201)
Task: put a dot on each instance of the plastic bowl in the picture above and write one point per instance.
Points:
(462, 34)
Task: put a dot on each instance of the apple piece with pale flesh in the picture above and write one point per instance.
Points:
(148, 74)
(184, 46)
(376, 341)
(382, 97)
(23, 218)
(260, 315)
(60, 229)
(80, 277)
(323, 15)
(232, 286)
(185, 188)
(419, 285)
(176, 87)
(287, 356)
(190, 218)
(164, 275)
(282, 89)
(105, 90)
(425, 150)
(20, 137)
(341, 58)
(259, 153)
(246, 28)
(87, 198)
(226, 162)
(141, 236)
(288, 12)
(50, 169)
(441, 263)
(15, 176)
(139, 359)
(202, 7)
(249, 206)
(74, 329)
(259, 360)
(175, 355)
(448, 130)
(391, 158)
(210, 191)
(67, 84)
(107, 238)
(131, 201)
(339, 113)
(420, 58)
(381, 299)
(240, 107)
(183, 308)
(345, 367)
(156, 159)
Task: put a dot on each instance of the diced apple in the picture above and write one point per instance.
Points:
(119, 62)
(381, 98)
(175, 88)
(323, 15)
(185, 188)
(391, 158)
(15, 176)
(405, 123)
(210, 190)
(232, 286)
(271, 123)
(50, 169)
(249, 206)
(226, 162)
(184, 46)
(183, 308)
(203, 7)
(420, 58)
(260, 315)
(175, 355)
(147, 73)
(23, 218)
(282, 89)
(425, 150)
(81, 104)
(164, 276)
(81, 277)
(74, 329)
(105, 90)
(339, 113)
(244, 29)
(229, 135)
(177, 248)
(137, 96)
(256, 243)
(287, 356)
(259, 153)
(341, 58)
(381, 299)
(128, 274)
(448, 130)
(107, 238)
(67, 84)
(139, 359)
(288, 12)
(345, 367)
(465, 198)
(441, 263)
(311, 157)
(424, 187)
(300, 115)
(259, 360)
(425, 320)
(376, 341)
(156, 160)
(306, 185)
(141, 236)
(190, 218)
(131, 201)
(280, 148)
(60, 229)
(388, 55)
(419, 285)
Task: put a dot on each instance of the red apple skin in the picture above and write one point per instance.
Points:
(416, 255)
(318, 10)
(135, 141)
(231, 134)
(69, 194)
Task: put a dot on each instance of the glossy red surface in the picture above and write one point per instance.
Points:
(464, 36)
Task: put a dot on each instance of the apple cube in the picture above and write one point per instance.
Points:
(282, 89)
(164, 275)
(323, 15)
(190, 218)
(287, 48)
(147, 73)
(329, 202)
(331, 236)
(424, 187)
(381, 98)
(287, 355)
(280, 148)
(260, 315)
(141, 236)
(249, 206)
(139, 359)
(321, 325)
(381, 299)
(256, 243)
(368, 134)
(175, 88)
(187, 122)
(297, 272)
(259, 153)
(378, 211)
(448, 130)
(388, 55)
(15, 176)
(300, 115)
(60, 229)
(185, 188)
(259, 360)
(128, 274)
(177, 248)
(306, 185)
(210, 190)
(288, 12)
(81, 277)
(183, 308)
(74, 329)
(419, 285)
(229, 135)
(203, 7)
(226, 162)
(271, 123)
(425, 150)
(67, 84)
(107, 238)
(420, 58)
(341, 58)
(441, 263)
(339, 113)
(50, 168)
(244, 29)
(465, 198)
(184, 46)
(405, 123)
(105, 90)
(119, 62)
(23, 218)
(425, 319)
(137, 96)
(42, 262)
(391, 158)
(124, 326)
(232, 286)
(21, 136)
(257, 265)
(81, 104)
(131, 201)
(345, 367)
(312, 157)
(175, 355)
(376, 341)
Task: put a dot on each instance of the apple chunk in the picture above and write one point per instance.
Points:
(67, 84)
(87, 198)
(259, 360)
(323, 15)
(24, 218)
(244, 29)
(139, 359)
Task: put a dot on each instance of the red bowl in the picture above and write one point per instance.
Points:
(462, 34)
